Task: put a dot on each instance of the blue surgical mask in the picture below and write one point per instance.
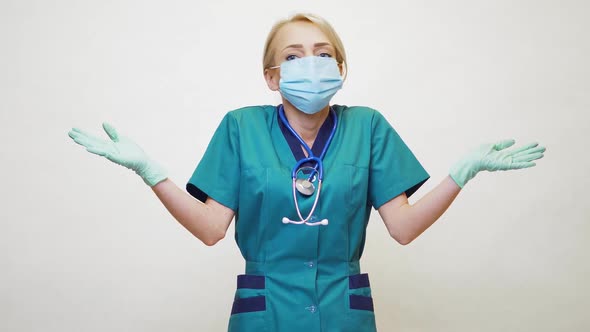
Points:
(310, 82)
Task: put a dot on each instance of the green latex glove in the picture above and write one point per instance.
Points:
(494, 157)
(123, 151)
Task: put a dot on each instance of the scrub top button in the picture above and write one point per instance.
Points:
(312, 308)
(309, 264)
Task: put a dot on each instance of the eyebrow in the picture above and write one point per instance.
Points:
(301, 45)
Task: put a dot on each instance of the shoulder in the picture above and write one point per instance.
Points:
(244, 115)
(247, 117)
(248, 121)
(359, 114)
(355, 110)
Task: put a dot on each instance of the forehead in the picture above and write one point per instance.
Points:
(305, 33)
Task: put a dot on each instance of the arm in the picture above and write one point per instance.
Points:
(207, 221)
(406, 222)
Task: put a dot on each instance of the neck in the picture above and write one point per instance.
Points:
(306, 125)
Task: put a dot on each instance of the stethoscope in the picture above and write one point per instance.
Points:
(305, 186)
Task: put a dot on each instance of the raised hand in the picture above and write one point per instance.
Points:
(121, 150)
(495, 157)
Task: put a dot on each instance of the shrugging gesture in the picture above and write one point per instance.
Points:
(495, 157)
(121, 150)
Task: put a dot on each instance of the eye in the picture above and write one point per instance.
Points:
(325, 55)
(291, 57)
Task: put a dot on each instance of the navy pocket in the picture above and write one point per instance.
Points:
(249, 304)
(360, 292)
(360, 302)
(250, 294)
(251, 281)
(358, 281)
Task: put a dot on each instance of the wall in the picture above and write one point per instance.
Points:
(86, 246)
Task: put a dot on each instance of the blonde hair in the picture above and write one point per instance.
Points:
(322, 24)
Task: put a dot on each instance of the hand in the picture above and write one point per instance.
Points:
(121, 150)
(494, 157)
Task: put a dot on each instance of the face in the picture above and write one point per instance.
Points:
(297, 40)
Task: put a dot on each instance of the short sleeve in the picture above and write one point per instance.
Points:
(393, 168)
(218, 173)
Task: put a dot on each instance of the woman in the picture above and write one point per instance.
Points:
(301, 212)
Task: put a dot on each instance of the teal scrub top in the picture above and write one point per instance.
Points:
(299, 277)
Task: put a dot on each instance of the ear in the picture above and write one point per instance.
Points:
(272, 77)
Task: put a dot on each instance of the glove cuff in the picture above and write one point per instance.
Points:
(152, 173)
(461, 172)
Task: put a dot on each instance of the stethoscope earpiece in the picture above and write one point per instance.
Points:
(323, 222)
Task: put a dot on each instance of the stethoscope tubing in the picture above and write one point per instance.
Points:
(310, 155)
(319, 168)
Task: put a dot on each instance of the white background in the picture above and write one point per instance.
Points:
(86, 246)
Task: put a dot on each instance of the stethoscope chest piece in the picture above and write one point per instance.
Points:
(305, 187)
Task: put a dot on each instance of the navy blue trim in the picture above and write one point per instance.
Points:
(249, 304)
(361, 302)
(358, 281)
(318, 144)
(417, 186)
(251, 281)
(196, 192)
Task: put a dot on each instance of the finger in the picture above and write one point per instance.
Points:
(524, 148)
(539, 149)
(76, 133)
(111, 131)
(508, 165)
(96, 150)
(80, 139)
(77, 129)
(521, 165)
(83, 139)
(528, 157)
(72, 134)
(80, 132)
(501, 145)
